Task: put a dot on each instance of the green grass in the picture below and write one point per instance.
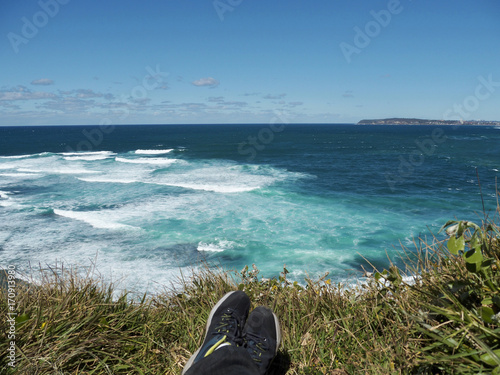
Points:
(446, 322)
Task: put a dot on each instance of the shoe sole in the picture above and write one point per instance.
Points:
(278, 333)
(209, 321)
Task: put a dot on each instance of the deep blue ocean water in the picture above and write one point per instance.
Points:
(147, 203)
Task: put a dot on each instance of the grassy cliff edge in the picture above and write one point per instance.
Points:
(445, 321)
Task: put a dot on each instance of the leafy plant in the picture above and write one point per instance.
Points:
(465, 304)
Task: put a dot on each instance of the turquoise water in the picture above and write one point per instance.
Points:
(147, 203)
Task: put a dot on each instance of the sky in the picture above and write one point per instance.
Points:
(89, 62)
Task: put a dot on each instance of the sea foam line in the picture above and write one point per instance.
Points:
(57, 171)
(87, 157)
(92, 219)
(153, 152)
(214, 188)
(25, 156)
(20, 174)
(157, 161)
(88, 153)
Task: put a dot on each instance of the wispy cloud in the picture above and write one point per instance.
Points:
(86, 94)
(68, 105)
(75, 101)
(274, 97)
(23, 93)
(222, 103)
(209, 81)
(348, 94)
(42, 82)
(9, 106)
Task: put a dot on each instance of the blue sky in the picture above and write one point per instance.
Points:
(247, 61)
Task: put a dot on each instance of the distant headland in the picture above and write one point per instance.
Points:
(417, 121)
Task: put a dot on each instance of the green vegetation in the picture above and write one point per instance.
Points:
(445, 321)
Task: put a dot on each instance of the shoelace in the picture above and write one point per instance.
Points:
(230, 326)
(257, 345)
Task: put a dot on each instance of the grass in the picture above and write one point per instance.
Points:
(445, 322)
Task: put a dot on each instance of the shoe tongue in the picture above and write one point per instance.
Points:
(229, 324)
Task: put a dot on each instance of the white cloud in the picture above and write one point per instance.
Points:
(42, 82)
(209, 81)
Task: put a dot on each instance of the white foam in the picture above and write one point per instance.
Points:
(214, 188)
(20, 174)
(225, 178)
(88, 153)
(16, 157)
(153, 152)
(25, 156)
(94, 218)
(86, 157)
(204, 179)
(202, 246)
(155, 161)
(58, 170)
(53, 164)
(218, 246)
(4, 194)
(5, 200)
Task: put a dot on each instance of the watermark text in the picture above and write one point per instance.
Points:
(31, 26)
(223, 6)
(11, 316)
(265, 136)
(372, 29)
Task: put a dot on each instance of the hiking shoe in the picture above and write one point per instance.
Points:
(224, 325)
(262, 337)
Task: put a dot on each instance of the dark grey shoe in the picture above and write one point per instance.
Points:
(262, 337)
(224, 325)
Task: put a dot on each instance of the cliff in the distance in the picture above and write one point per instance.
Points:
(416, 121)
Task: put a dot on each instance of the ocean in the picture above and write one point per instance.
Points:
(146, 204)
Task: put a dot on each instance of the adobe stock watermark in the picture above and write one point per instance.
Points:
(30, 26)
(372, 29)
(484, 90)
(425, 148)
(94, 137)
(223, 6)
(11, 315)
(264, 136)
